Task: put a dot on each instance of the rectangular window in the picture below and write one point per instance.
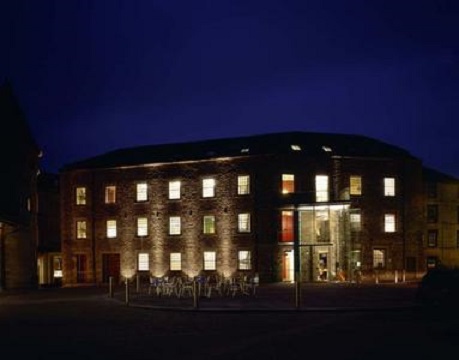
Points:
(243, 185)
(287, 226)
(288, 183)
(111, 228)
(356, 220)
(431, 190)
(389, 223)
(81, 230)
(174, 189)
(209, 224)
(243, 223)
(432, 262)
(175, 261)
(244, 261)
(81, 196)
(321, 188)
(210, 260)
(142, 226)
(432, 238)
(208, 188)
(144, 262)
(110, 194)
(389, 186)
(432, 214)
(379, 258)
(141, 192)
(175, 227)
(355, 185)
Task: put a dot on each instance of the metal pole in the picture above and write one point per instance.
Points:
(296, 258)
(110, 286)
(195, 295)
(127, 292)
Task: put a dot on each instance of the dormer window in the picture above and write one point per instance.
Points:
(295, 147)
(326, 148)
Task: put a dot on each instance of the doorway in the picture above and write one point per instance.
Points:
(288, 273)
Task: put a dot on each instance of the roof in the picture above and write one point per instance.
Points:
(306, 142)
(432, 175)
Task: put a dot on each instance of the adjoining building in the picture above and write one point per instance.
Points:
(441, 244)
(19, 155)
(318, 205)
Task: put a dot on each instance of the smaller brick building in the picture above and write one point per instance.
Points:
(311, 205)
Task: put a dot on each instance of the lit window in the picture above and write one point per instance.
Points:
(389, 187)
(81, 196)
(142, 226)
(379, 258)
(175, 261)
(244, 260)
(175, 227)
(141, 192)
(111, 228)
(110, 194)
(81, 230)
(432, 238)
(174, 189)
(210, 260)
(288, 183)
(295, 147)
(144, 262)
(321, 188)
(356, 185)
(389, 223)
(243, 223)
(208, 188)
(356, 220)
(287, 226)
(209, 224)
(243, 185)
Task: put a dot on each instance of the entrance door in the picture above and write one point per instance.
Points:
(111, 267)
(288, 271)
(81, 267)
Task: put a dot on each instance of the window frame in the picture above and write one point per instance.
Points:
(175, 261)
(321, 191)
(80, 195)
(244, 264)
(287, 183)
(175, 225)
(210, 260)
(390, 223)
(143, 260)
(355, 185)
(111, 229)
(243, 184)
(142, 226)
(208, 225)
(174, 192)
(389, 186)
(110, 194)
(209, 185)
(81, 231)
(141, 192)
(244, 225)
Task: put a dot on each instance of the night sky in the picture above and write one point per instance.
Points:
(93, 76)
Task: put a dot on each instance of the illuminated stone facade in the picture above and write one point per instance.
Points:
(441, 235)
(299, 188)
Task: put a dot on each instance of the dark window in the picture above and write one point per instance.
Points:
(432, 213)
(432, 190)
(432, 238)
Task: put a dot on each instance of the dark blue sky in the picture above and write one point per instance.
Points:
(93, 76)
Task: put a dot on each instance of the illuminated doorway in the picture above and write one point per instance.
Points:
(322, 268)
(288, 273)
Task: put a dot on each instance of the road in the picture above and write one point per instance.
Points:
(93, 326)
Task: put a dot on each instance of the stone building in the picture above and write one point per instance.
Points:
(441, 236)
(315, 206)
(19, 155)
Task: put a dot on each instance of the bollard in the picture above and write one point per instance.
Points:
(110, 286)
(127, 292)
(376, 278)
(396, 276)
(297, 295)
(195, 295)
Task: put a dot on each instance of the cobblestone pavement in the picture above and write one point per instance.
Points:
(76, 323)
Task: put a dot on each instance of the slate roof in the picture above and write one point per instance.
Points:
(310, 143)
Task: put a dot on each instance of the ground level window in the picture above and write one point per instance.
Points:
(244, 260)
(176, 261)
(210, 260)
(379, 258)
